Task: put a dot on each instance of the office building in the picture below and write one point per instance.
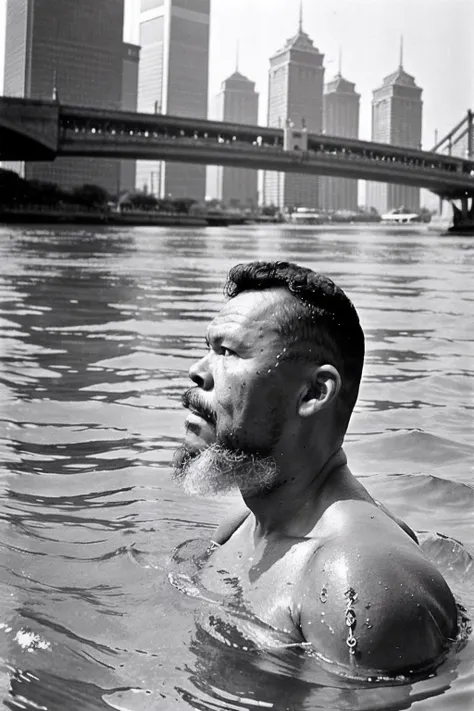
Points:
(130, 63)
(71, 51)
(237, 102)
(173, 79)
(295, 93)
(396, 119)
(340, 118)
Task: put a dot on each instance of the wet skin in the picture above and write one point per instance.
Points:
(315, 558)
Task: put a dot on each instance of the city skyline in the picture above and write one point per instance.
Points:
(436, 47)
(365, 32)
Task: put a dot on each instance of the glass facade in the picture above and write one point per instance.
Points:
(15, 48)
(75, 49)
(173, 79)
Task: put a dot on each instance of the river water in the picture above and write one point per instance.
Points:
(98, 329)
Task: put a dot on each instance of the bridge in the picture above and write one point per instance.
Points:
(33, 130)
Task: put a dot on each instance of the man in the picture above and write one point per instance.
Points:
(311, 555)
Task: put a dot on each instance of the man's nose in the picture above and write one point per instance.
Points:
(200, 374)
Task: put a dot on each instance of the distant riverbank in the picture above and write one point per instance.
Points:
(33, 214)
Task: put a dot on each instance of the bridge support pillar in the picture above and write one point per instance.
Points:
(463, 216)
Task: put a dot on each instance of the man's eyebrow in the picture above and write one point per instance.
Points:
(213, 336)
(216, 337)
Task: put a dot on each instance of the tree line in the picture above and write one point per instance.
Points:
(17, 192)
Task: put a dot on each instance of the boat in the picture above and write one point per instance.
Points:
(306, 216)
(401, 217)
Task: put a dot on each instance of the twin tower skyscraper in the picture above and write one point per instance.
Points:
(73, 50)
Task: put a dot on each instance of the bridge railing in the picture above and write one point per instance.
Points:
(120, 135)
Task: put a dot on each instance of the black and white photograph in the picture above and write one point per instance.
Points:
(236, 355)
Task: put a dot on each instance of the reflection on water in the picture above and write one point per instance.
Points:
(98, 329)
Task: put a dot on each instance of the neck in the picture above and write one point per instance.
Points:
(295, 505)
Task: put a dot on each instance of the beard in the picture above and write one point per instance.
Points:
(217, 469)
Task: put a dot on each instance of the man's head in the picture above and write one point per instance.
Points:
(282, 371)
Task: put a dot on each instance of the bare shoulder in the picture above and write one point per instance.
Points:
(231, 523)
(371, 601)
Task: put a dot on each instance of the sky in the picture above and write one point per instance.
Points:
(438, 47)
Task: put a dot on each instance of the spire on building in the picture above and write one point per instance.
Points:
(401, 52)
(237, 57)
(339, 63)
(300, 24)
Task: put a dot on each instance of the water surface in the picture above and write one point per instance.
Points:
(98, 329)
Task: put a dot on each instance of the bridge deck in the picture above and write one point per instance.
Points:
(83, 131)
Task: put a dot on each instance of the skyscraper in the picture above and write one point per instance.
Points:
(72, 51)
(173, 79)
(396, 119)
(340, 118)
(237, 102)
(295, 93)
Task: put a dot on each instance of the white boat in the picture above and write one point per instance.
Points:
(401, 218)
(306, 216)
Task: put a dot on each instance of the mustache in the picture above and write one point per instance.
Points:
(191, 400)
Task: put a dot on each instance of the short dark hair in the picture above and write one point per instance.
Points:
(321, 325)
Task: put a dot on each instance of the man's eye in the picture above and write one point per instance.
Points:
(226, 352)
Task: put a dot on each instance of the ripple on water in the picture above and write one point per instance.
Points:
(98, 328)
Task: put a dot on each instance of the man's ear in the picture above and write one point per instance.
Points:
(319, 391)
